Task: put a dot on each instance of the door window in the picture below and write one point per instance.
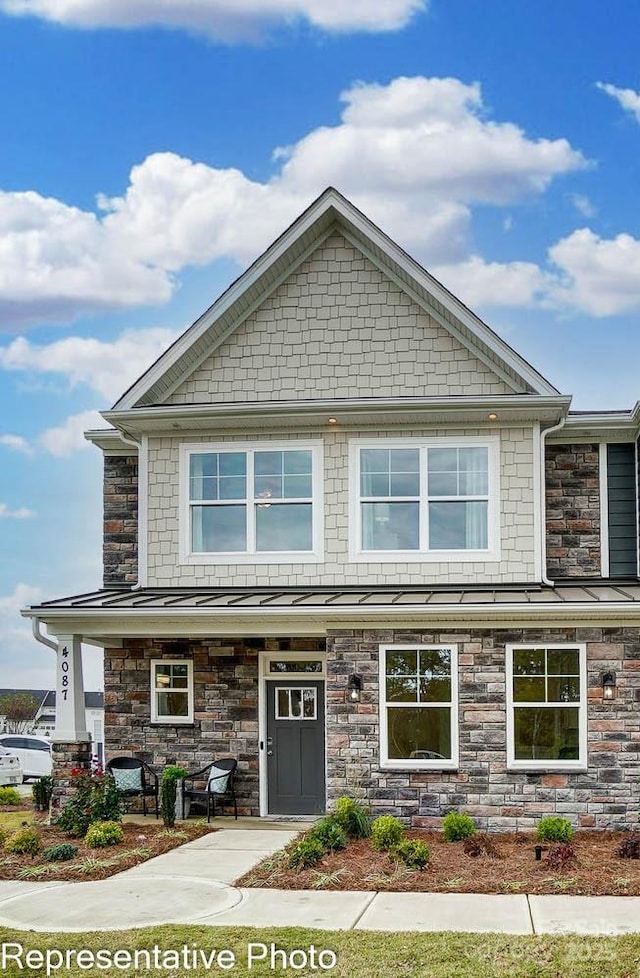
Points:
(296, 703)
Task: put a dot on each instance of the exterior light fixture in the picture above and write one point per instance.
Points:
(332, 420)
(493, 416)
(355, 688)
(608, 685)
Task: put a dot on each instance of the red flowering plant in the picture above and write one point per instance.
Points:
(95, 799)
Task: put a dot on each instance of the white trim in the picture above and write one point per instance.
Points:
(637, 506)
(539, 503)
(171, 720)
(251, 556)
(603, 475)
(357, 555)
(143, 512)
(265, 676)
(448, 764)
(551, 765)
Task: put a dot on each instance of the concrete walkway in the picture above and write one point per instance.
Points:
(192, 885)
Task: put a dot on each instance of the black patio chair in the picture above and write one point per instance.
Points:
(135, 779)
(217, 783)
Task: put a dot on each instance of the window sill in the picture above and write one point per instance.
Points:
(427, 556)
(171, 722)
(551, 767)
(279, 557)
(419, 766)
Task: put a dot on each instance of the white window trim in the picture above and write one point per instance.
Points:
(492, 553)
(392, 764)
(542, 765)
(172, 720)
(315, 555)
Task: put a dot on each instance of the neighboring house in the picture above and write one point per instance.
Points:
(44, 721)
(355, 540)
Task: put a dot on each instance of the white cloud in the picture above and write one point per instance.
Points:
(492, 284)
(23, 662)
(22, 513)
(583, 205)
(415, 155)
(68, 438)
(107, 368)
(625, 97)
(598, 276)
(225, 20)
(17, 443)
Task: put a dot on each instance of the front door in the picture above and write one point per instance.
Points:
(295, 746)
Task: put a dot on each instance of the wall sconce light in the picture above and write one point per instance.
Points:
(355, 688)
(608, 685)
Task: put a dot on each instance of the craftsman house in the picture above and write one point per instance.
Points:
(355, 541)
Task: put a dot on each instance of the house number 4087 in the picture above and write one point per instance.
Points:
(64, 666)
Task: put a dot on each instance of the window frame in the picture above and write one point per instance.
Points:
(492, 552)
(538, 764)
(251, 555)
(173, 720)
(422, 764)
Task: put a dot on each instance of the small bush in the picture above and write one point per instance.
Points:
(305, 853)
(329, 834)
(3, 837)
(168, 793)
(456, 827)
(413, 853)
(95, 799)
(104, 834)
(479, 845)
(554, 828)
(60, 853)
(629, 848)
(41, 792)
(24, 842)
(559, 856)
(386, 832)
(352, 817)
(9, 796)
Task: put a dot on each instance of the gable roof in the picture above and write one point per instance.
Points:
(329, 211)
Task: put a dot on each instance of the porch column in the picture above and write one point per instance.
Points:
(71, 742)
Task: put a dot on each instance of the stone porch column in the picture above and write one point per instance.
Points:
(71, 742)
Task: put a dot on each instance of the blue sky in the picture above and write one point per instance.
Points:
(151, 149)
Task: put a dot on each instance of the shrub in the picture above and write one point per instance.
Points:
(60, 853)
(413, 853)
(168, 790)
(559, 856)
(42, 791)
(95, 799)
(329, 834)
(456, 827)
(554, 828)
(305, 853)
(102, 834)
(482, 844)
(352, 817)
(386, 832)
(629, 848)
(9, 796)
(3, 836)
(24, 842)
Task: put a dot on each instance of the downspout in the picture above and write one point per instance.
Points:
(543, 521)
(39, 637)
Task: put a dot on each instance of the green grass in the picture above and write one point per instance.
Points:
(366, 954)
(10, 821)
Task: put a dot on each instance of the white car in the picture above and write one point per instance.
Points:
(34, 753)
(10, 769)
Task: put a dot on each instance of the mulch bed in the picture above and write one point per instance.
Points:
(596, 869)
(141, 842)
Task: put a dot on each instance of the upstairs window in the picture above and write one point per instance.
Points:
(253, 501)
(434, 498)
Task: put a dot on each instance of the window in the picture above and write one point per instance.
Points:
(418, 706)
(172, 691)
(431, 499)
(253, 501)
(546, 704)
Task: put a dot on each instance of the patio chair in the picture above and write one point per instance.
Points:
(217, 783)
(135, 779)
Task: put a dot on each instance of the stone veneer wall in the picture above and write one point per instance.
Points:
(573, 510)
(120, 547)
(605, 796)
(225, 706)
(67, 757)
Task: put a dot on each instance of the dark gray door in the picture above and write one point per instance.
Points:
(295, 746)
